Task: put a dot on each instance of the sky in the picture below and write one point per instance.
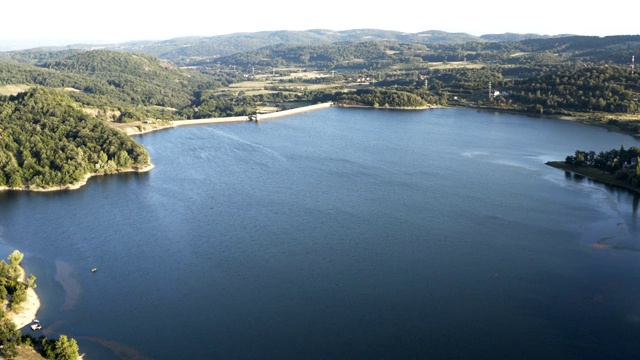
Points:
(62, 22)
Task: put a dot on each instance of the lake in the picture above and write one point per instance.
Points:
(341, 234)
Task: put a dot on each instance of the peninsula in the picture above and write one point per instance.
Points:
(28, 309)
(47, 143)
(20, 303)
(617, 167)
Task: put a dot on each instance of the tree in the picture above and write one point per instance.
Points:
(63, 349)
(8, 336)
(615, 165)
(18, 297)
(123, 159)
(15, 258)
(579, 159)
(15, 181)
(31, 281)
(6, 271)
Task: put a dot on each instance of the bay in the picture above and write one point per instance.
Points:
(342, 233)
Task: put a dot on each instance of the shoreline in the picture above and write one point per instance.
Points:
(593, 174)
(585, 118)
(427, 107)
(81, 183)
(29, 309)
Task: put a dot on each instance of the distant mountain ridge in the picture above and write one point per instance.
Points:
(330, 48)
(179, 49)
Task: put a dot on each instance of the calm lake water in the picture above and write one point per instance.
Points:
(341, 234)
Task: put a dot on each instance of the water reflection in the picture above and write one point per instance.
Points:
(620, 193)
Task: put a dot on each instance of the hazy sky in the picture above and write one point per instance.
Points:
(72, 21)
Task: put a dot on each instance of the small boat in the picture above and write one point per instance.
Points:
(94, 269)
(35, 327)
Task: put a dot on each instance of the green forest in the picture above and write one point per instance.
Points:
(46, 140)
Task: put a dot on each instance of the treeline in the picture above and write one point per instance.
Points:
(46, 141)
(622, 163)
(409, 98)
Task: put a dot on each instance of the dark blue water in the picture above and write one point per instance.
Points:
(341, 234)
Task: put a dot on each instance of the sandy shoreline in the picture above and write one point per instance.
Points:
(28, 309)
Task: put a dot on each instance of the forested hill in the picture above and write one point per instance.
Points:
(102, 61)
(46, 140)
(136, 78)
(130, 86)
